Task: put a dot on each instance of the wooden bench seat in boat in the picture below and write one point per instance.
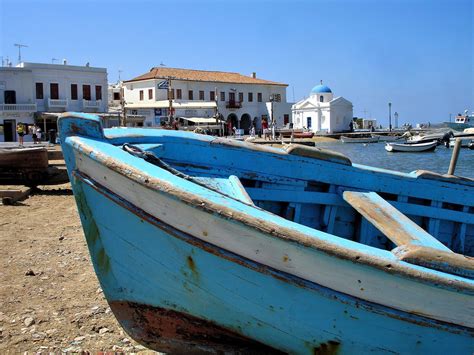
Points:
(414, 245)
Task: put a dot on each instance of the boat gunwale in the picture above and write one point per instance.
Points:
(333, 248)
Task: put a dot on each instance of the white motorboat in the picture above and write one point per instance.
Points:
(464, 142)
(420, 147)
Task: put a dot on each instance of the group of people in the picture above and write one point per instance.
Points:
(23, 130)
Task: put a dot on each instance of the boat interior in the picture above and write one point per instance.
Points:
(324, 190)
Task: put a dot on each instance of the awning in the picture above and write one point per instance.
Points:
(208, 120)
(181, 104)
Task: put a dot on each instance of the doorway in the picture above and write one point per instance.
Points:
(9, 130)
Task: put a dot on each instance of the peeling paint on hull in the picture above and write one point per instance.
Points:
(177, 332)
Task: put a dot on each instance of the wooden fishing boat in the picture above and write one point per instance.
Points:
(386, 138)
(206, 244)
(411, 148)
(303, 134)
(345, 139)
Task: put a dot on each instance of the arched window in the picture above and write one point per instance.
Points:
(321, 98)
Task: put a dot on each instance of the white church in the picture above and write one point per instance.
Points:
(321, 112)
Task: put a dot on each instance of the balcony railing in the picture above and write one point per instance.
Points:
(18, 108)
(233, 104)
(57, 103)
(95, 104)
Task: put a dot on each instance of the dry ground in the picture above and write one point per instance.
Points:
(50, 299)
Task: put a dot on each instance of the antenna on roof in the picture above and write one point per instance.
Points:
(321, 82)
(162, 64)
(19, 50)
(53, 60)
(120, 72)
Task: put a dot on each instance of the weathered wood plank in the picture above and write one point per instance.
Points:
(391, 222)
(452, 263)
(10, 196)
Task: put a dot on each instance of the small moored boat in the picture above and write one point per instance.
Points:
(387, 138)
(206, 244)
(411, 148)
(345, 139)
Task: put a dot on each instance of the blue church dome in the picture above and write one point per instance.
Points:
(321, 89)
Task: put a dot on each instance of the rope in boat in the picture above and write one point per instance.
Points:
(153, 159)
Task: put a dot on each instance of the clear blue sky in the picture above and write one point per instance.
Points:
(416, 54)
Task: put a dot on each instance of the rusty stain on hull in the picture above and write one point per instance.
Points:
(179, 333)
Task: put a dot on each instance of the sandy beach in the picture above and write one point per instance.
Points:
(51, 299)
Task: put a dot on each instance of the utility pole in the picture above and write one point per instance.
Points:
(170, 102)
(390, 116)
(272, 97)
(122, 105)
(19, 50)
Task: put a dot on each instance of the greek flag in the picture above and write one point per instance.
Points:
(163, 84)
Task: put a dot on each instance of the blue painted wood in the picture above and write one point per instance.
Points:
(140, 260)
(149, 266)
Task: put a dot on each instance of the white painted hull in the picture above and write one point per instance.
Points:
(359, 140)
(415, 148)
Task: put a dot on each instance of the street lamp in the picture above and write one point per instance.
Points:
(396, 119)
(390, 116)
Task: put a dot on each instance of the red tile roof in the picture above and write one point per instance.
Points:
(201, 75)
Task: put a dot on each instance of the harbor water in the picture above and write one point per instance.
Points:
(374, 154)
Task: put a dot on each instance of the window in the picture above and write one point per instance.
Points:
(222, 96)
(150, 94)
(259, 97)
(212, 96)
(73, 91)
(286, 119)
(308, 122)
(54, 91)
(201, 95)
(86, 92)
(141, 95)
(241, 96)
(98, 92)
(178, 94)
(116, 96)
(321, 98)
(190, 95)
(39, 91)
(250, 96)
(9, 97)
(232, 96)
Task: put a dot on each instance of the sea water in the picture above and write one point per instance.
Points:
(374, 154)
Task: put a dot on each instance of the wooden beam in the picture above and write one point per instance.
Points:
(392, 223)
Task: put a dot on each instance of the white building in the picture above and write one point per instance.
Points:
(37, 92)
(321, 112)
(239, 99)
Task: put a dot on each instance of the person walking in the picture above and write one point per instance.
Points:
(20, 130)
(265, 128)
(33, 129)
(38, 134)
